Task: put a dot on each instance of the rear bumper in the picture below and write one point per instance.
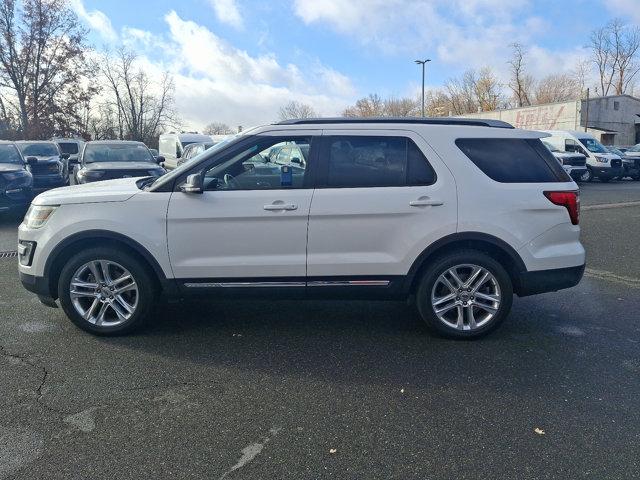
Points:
(542, 281)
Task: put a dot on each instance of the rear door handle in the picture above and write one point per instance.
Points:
(426, 202)
(280, 206)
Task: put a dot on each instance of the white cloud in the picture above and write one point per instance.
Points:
(458, 34)
(216, 81)
(626, 9)
(227, 12)
(96, 19)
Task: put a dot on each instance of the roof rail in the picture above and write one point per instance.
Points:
(477, 122)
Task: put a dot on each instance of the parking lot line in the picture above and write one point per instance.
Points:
(605, 206)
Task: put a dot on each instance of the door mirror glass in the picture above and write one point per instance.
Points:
(65, 156)
(296, 160)
(159, 159)
(32, 160)
(193, 184)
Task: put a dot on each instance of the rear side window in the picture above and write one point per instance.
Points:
(359, 161)
(513, 160)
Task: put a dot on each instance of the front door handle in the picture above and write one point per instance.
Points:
(426, 202)
(280, 206)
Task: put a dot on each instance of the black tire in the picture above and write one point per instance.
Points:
(444, 263)
(587, 176)
(143, 277)
(604, 179)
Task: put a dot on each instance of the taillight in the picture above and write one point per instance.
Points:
(569, 200)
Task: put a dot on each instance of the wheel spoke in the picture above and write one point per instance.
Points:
(77, 283)
(88, 314)
(121, 309)
(441, 300)
(456, 278)
(443, 279)
(445, 309)
(486, 308)
(100, 318)
(119, 300)
(124, 278)
(480, 282)
(93, 266)
(474, 274)
(106, 276)
(470, 317)
(484, 296)
(460, 319)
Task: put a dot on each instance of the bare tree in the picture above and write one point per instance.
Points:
(140, 107)
(401, 107)
(580, 75)
(615, 53)
(217, 128)
(488, 90)
(462, 93)
(557, 88)
(295, 109)
(520, 83)
(371, 106)
(42, 66)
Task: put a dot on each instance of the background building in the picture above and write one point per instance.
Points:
(614, 120)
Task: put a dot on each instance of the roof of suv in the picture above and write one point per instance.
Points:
(409, 120)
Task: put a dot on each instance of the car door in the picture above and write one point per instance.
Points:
(251, 221)
(382, 197)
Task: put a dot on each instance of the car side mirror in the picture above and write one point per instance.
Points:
(296, 160)
(248, 167)
(32, 161)
(65, 156)
(193, 184)
(159, 159)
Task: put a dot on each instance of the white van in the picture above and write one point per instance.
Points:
(600, 162)
(171, 146)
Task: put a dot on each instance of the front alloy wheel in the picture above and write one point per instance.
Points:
(107, 291)
(104, 293)
(586, 176)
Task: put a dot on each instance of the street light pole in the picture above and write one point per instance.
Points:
(423, 63)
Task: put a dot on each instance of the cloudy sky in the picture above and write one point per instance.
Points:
(238, 61)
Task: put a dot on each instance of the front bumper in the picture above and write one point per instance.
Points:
(543, 281)
(607, 172)
(39, 286)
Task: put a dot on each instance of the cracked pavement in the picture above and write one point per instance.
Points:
(352, 389)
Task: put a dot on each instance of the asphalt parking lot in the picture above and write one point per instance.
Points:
(260, 390)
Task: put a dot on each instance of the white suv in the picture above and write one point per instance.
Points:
(455, 214)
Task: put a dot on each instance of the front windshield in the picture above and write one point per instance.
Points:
(635, 148)
(9, 154)
(38, 149)
(71, 148)
(593, 145)
(615, 150)
(550, 147)
(115, 152)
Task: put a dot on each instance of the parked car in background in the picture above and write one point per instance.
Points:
(171, 146)
(16, 181)
(455, 214)
(194, 149)
(109, 159)
(601, 164)
(48, 165)
(575, 164)
(71, 146)
(630, 164)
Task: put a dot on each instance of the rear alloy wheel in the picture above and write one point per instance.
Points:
(105, 291)
(465, 295)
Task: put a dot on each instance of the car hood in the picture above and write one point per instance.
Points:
(568, 155)
(632, 154)
(97, 192)
(120, 166)
(10, 167)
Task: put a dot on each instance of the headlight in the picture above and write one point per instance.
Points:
(11, 176)
(602, 159)
(37, 216)
(92, 174)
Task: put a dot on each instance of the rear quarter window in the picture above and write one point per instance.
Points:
(513, 160)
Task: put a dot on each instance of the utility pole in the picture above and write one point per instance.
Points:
(423, 63)
(586, 119)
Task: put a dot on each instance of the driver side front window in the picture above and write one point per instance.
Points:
(257, 168)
